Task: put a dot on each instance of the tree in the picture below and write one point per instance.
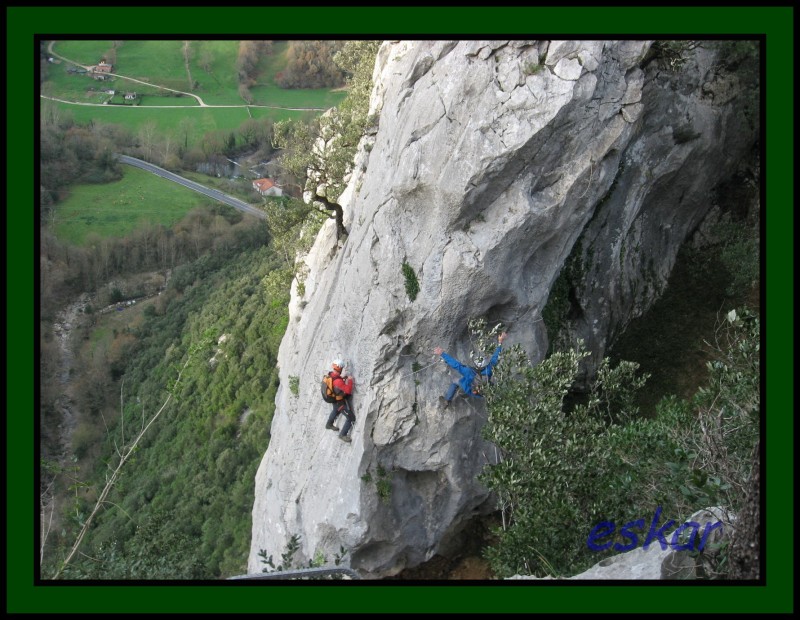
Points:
(245, 94)
(169, 159)
(111, 55)
(248, 130)
(550, 456)
(206, 60)
(186, 128)
(247, 59)
(728, 407)
(147, 138)
(230, 144)
(565, 464)
(212, 144)
(310, 64)
(320, 152)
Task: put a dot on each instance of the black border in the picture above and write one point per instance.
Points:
(775, 22)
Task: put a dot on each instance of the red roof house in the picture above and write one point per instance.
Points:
(100, 70)
(267, 187)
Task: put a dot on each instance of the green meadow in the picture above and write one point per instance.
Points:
(172, 120)
(212, 68)
(116, 209)
(267, 92)
(82, 52)
(159, 62)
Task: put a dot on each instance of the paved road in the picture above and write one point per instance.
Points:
(211, 193)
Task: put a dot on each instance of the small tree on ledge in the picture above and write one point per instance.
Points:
(322, 150)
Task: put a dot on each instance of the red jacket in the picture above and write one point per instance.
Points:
(342, 384)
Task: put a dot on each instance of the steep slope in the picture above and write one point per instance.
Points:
(491, 161)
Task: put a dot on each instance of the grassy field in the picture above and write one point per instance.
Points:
(83, 89)
(159, 62)
(115, 209)
(196, 119)
(83, 52)
(266, 92)
(213, 68)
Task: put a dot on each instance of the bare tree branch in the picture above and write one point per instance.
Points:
(125, 454)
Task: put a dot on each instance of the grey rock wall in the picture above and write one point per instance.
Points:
(490, 161)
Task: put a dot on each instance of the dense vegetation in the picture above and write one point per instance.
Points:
(181, 509)
(320, 151)
(71, 153)
(311, 64)
(571, 460)
(566, 470)
(66, 269)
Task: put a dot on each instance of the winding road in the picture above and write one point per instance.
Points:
(166, 174)
(211, 193)
(132, 161)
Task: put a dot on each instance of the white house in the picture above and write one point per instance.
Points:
(267, 187)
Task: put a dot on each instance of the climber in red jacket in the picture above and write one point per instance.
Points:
(342, 386)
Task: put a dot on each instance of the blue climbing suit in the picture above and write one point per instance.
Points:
(468, 374)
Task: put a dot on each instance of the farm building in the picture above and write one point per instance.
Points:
(101, 70)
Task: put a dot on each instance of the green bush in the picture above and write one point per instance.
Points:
(531, 67)
(740, 256)
(115, 295)
(554, 463)
(412, 284)
(565, 468)
(294, 385)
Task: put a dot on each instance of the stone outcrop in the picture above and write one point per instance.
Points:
(659, 561)
(493, 163)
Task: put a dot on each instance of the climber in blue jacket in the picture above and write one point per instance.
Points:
(470, 373)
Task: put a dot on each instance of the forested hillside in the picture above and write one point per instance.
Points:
(181, 507)
(153, 416)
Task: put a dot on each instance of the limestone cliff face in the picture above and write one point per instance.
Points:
(492, 163)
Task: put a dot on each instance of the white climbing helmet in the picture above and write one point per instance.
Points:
(478, 360)
(338, 363)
